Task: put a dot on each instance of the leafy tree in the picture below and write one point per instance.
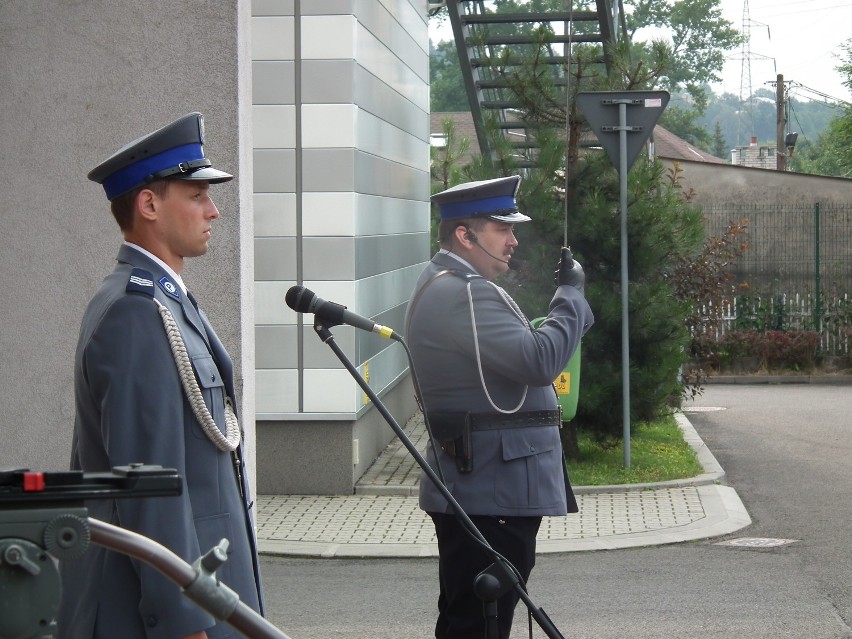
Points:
(832, 152)
(700, 36)
(683, 122)
(447, 86)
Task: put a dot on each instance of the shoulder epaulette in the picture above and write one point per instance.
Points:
(464, 274)
(141, 281)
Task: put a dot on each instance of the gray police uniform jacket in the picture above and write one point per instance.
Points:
(130, 407)
(455, 323)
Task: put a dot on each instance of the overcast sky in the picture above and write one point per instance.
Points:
(799, 39)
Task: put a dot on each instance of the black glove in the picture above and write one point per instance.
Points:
(569, 271)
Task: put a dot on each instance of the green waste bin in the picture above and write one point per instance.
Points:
(567, 384)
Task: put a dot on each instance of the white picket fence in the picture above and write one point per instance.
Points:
(789, 313)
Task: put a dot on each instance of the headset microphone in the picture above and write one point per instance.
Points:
(471, 236)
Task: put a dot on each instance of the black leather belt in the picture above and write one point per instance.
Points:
(452, 429)
(526, 419)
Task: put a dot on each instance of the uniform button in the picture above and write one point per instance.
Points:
(532, 449)
(151, 621)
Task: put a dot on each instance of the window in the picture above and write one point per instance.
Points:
(438, 140)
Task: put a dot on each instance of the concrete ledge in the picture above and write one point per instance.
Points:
(724, 514)
(834, 380)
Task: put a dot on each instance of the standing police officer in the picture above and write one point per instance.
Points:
(486, 381)
(154, 384)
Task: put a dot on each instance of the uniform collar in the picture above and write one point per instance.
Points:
(459, 259)
(161, 263)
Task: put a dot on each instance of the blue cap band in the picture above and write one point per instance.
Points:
(135, 174)
(485, 206)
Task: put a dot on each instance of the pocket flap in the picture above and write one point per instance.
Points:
(206, 371)
(523, 442)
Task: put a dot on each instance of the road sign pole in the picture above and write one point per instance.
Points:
(625, 320)
(622, 153)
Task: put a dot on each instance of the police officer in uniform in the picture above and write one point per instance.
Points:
(486, 381)
(154, 384)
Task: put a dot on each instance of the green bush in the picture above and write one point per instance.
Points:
(776, 350)
(663, 231)
(792, 350)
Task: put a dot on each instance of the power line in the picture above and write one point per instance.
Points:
(840, 103)
(809, 11)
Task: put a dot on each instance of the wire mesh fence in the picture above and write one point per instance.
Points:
(796, 274)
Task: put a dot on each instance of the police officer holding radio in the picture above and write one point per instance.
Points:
(486, 381)
(154, 384)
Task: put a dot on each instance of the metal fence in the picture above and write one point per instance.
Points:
(796, 273)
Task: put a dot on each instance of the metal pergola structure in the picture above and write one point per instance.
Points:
(489, 48)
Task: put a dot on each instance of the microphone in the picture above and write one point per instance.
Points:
(303, 300)
(510, 262)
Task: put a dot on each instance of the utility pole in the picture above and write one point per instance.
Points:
(780, 124)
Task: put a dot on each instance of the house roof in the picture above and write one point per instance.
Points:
(666, 144)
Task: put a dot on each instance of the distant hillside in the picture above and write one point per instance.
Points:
(739, 124)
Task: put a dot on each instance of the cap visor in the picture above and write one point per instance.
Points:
(511, 218)
(208, 174)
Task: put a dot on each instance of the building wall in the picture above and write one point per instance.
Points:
(79, 80)
(341, 187)
(756, 156)
(330, 148)
(782, 233)
(719, 184)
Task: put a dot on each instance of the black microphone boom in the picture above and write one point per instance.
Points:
(473, 238)
(303, 300)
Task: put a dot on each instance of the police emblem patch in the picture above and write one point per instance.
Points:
(169, 287)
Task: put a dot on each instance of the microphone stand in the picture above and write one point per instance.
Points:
(498, 578)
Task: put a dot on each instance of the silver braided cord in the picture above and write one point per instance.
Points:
(514, 307)
(231, 439)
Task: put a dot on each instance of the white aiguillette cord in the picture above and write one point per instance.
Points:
(231, 439)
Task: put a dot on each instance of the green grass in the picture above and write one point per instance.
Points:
(657, 453)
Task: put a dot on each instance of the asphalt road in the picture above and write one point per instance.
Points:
(786, 450)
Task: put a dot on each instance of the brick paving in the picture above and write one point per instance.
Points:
(382, 517)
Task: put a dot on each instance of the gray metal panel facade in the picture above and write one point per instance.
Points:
(341, 207)
(341, 168)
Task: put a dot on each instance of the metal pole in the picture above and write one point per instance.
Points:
(595, 106)
(569, 30)
(625, 328)
(818, 297)
(780, 125)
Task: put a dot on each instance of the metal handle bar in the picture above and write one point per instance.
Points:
(242, 617)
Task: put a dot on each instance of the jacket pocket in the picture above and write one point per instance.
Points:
(212, 388)
(531, 472)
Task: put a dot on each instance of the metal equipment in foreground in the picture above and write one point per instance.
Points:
(43, 518)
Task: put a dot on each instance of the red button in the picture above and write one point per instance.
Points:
(33, 482)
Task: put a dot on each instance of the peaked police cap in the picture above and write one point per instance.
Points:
(174, 152)
(492, 199)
